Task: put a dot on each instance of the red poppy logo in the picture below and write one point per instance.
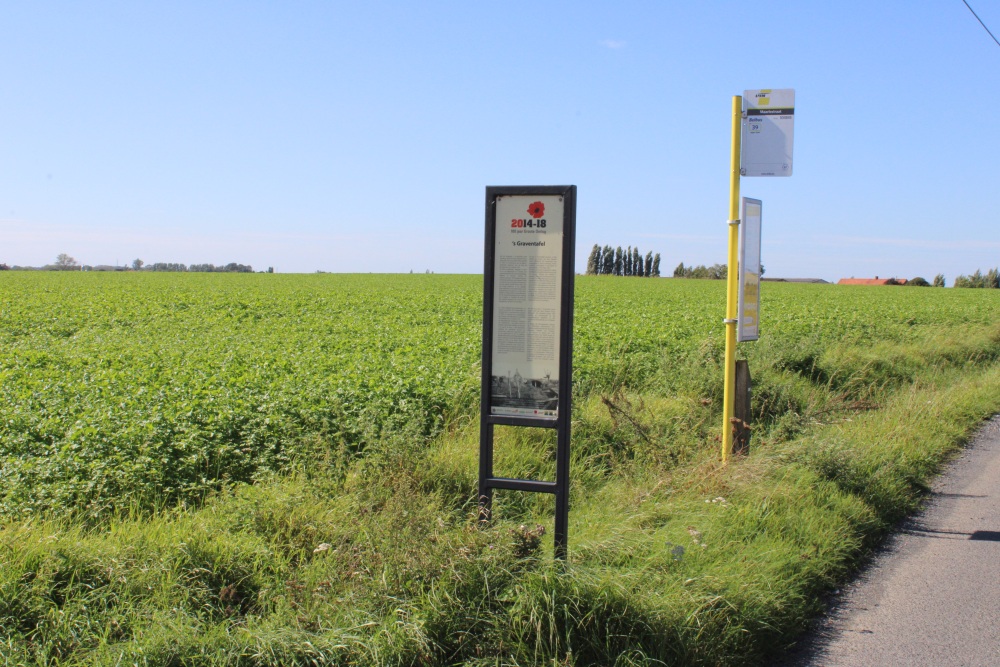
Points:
(537, 209)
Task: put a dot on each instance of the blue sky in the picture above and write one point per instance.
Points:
(356, 137)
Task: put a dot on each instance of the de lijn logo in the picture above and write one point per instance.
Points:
(536, 210)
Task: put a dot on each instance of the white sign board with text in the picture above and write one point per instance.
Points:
(527, 298)
(768, 123)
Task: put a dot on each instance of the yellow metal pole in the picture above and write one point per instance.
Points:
(732, 282)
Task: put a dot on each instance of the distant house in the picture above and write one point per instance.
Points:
(872, 281)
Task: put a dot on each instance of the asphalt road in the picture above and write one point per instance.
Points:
(932, 596)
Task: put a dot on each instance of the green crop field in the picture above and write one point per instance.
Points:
(272, 469)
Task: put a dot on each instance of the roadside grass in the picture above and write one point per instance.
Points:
(375, 558)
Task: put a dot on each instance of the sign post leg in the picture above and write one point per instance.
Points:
(561, 537)
(485, 472)
(732, 280)
(741, 422)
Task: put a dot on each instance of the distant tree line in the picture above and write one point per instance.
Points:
(988, 280)
(65, 262)
(617, 262)
(919, 281)
(232, 267)
(714, 272)
(161, 266)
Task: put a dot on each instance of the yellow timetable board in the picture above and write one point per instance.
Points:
(748, 308)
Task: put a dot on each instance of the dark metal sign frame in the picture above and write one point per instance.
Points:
(561, 423)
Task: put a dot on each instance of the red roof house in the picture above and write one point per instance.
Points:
(872, 281)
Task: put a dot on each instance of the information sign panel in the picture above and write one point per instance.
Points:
(527, 295)
(748, 310)
(768, 123)
(528, 333)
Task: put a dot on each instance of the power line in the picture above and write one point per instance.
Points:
(981, 23)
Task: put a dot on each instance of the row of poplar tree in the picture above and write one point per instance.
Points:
(617, 262)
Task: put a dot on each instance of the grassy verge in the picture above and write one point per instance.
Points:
(376, 560)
